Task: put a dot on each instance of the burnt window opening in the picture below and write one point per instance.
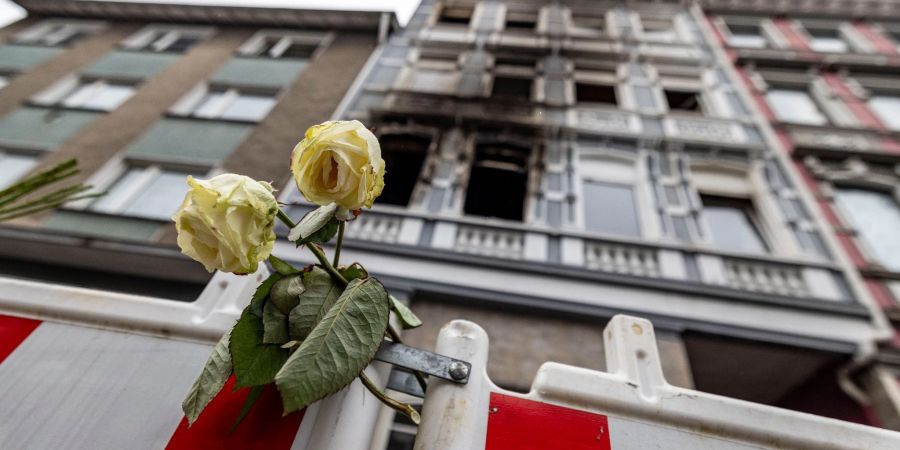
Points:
(595, 93)
(520, 21)
(455, 15)
(498, 182)
(404, 155)
(511, 88)
(683, 100)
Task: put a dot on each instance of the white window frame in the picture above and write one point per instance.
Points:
(812, 98)
(107, 176)
(59, 94)
(188, 104)
(804, 30)
(37, 155)
(848, 223)
(253, 47)
(53, 32)
(744, 182)
(603, 165)
(158, 37)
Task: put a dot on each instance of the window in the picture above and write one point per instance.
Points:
(98, 95)
(876, 218)
(679, 100)
(15, 165)
(55, 33)
(498, 181)
(595, 93)
(282, 45)
(227, 104)
(795, 106)
(610, 208)
(507, 87)
(733, 224)
(521, 21)
(658, 29)
(588, 25)
(826, 40)
(887, 108)
(404, 155)
(148, 192)
(170, 39)
(455, 15)
(746, 36)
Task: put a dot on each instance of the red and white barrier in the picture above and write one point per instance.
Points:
(629, 407)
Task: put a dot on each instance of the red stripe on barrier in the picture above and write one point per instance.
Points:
(14, 330)
(264, 428)
(518, 424)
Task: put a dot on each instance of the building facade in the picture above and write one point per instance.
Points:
(826, 79)
(550, 165)
(553, 164)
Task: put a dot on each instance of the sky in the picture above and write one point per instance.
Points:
(10, 12)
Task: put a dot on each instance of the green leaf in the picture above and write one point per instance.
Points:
(262, 293)
(281, 266)
(286, 292)
(320, 294)
(319, 225)
(338, 348)
(211, 380)
(408, 319)
(354, 271)
(275, 325)
(255, 363)
(252, 397)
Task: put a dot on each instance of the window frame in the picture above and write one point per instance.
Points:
(187, 106)
(58, 32)
(148, 39)
(257, 43)
(806, 89)
(847, 221)
(810, 31)
(60, 94)
(36, 155)
(605, 165)
(751, 212)
(116, 169)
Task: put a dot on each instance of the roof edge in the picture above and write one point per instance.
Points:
(212, 14)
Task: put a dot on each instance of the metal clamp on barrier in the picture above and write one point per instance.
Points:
(422, 361)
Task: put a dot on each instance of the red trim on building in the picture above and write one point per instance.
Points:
(880, 293)
(264, 428)
(14, 330)
(761, 102)
(519, 424)
(879, 42)
(859, 109)
(795, 40)
(890, 145)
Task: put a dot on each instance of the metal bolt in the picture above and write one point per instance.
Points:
(458, 370)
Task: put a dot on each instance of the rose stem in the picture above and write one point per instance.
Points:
(401, 407)
(340, 242)
(323, 261)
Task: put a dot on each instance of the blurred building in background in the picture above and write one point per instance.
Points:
(145, 94)
(549, 165)
(826, 76)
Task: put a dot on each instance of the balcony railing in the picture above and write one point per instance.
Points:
(770, 275)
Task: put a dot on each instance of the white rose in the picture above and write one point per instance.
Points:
(227, 222)
(339, 162)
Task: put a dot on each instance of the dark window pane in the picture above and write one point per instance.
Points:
(683, 100)
(183, 43)
(401, 441)
(403, 156)
(731, 222)
(511, 88)
(595, 93)
(610, 208)
(498, 182)
(455, 15)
